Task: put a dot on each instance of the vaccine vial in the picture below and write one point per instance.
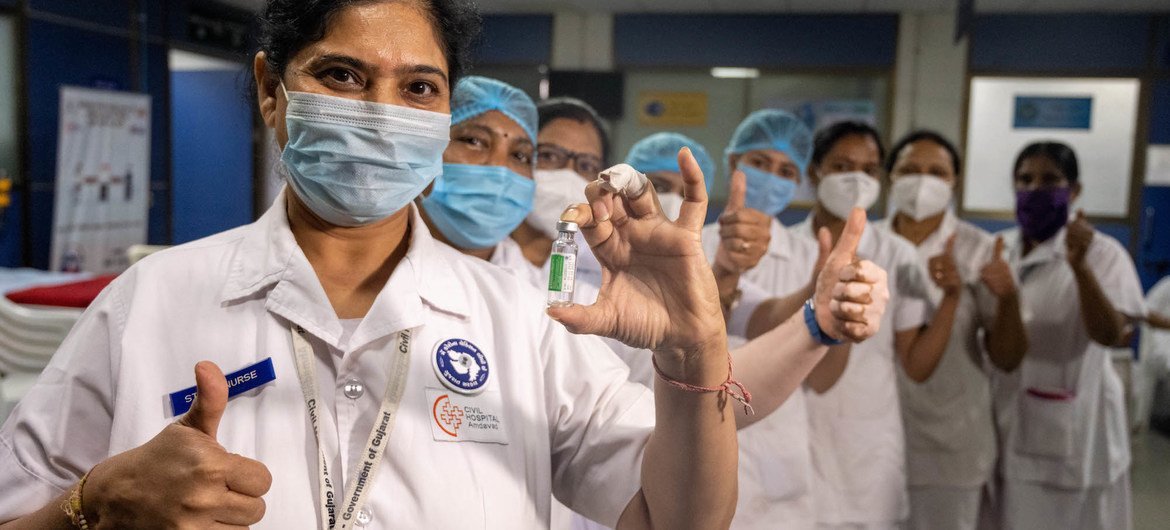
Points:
(562, 273)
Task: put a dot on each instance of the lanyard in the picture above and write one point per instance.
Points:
(362, 479)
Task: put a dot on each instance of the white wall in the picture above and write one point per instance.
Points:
(930, 76)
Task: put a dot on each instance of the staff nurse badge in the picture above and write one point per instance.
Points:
(461, 366)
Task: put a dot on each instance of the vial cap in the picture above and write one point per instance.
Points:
(567, 226)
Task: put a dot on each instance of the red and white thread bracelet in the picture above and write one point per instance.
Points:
(729, 386)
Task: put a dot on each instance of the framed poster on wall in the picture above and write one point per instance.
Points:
(1097, 117)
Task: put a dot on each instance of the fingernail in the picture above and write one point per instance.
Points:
(570, 214)
(601, 211)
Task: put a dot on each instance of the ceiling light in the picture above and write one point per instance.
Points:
(726, 72)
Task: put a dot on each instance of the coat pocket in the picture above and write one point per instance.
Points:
(1047, 420)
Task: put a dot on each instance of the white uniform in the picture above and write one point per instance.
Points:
(568, 421)
(950, 432)
(1154, 361)
(775, 463)
(1066, 460)
(509, 255)
(858, 445)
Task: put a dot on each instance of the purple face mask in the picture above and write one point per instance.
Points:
(1042, 212)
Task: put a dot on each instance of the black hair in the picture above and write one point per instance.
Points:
(287, 26)
(828, 137)
(578, 111)
(1060, 154)
(930, 136)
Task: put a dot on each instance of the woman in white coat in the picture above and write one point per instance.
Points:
(950, 434)
(1066, 455)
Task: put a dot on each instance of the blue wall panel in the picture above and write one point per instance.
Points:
(1154, 242)
(157, 78)
(515, 40)
(1162, 42)
(792, 41)
(211, 154)
(1160, 112)
(12, 233)
(1046, 43)
(113, 13)
(53, 61)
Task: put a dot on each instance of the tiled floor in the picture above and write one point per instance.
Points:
(1151, 481)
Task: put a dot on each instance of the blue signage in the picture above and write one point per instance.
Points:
(1040, 112)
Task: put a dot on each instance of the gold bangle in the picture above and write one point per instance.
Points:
(72, 506)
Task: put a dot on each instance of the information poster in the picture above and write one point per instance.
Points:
(1097, 117)
(672, 109)
(102, 187)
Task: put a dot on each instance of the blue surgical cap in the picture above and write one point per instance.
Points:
(773, 129)
(475, 95)
(659, 152)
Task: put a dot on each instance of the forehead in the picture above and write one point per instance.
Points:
(925, 151)
(383, 34)
(1039, 164)
(571, 134)
(498, 123)
(855, 145)
(773, 155)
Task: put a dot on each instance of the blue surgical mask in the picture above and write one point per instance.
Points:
(478, 206)
(355, 162)
(766, 192)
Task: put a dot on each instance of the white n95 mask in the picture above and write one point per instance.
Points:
(556, 190)
(671, 205)
(920, 196)
(839, 193)
(355, 162)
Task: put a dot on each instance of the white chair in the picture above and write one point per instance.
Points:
(29, 335)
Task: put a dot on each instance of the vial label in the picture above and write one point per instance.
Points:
(562, 272)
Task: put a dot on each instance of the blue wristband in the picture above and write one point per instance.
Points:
(814, 329)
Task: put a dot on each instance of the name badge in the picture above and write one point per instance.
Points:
(239, 381)
(459, 418)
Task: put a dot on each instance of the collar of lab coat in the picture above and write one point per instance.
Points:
(936, 242)
(1053, 249)
(780, 246)
(269, 263)
(866, 248)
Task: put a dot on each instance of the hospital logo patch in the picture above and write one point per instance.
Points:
(447, 416)
(460, 418)
(461, 366)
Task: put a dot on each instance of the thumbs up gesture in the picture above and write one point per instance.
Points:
(943, 270)
(851, 294)
(996, 274)
(744, 233)
(1078, 238)
(182, 478)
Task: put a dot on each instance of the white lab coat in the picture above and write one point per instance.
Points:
(858, 443)
(950, 432)
(509, 255)
(1154, 361)
(1057, 451)
(775, 463)
(574, 426)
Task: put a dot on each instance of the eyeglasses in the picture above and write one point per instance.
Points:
(556, 157)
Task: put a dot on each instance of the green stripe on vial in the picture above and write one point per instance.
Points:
(556, 273)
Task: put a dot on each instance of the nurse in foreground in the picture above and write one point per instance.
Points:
(403, 389)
